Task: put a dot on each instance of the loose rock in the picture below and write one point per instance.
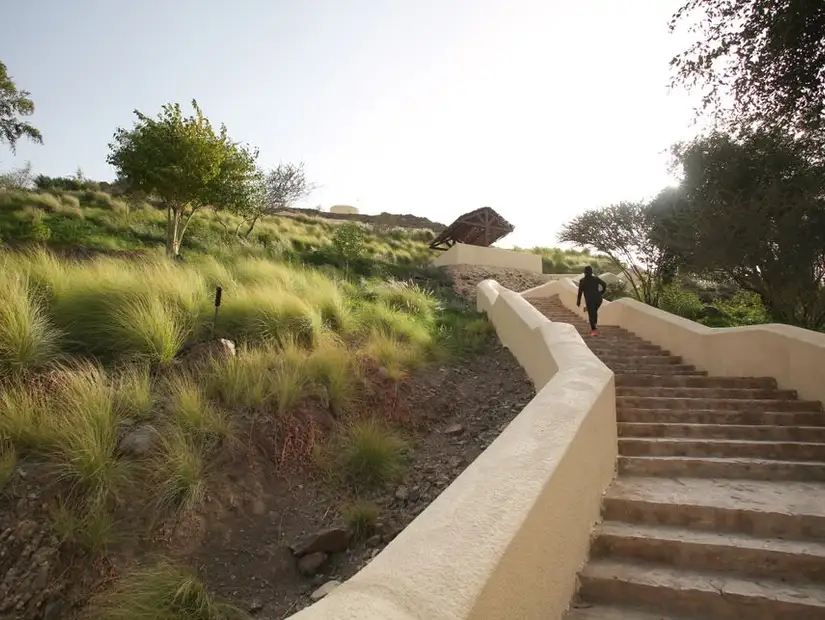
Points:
(454, 429)
(309, 565)
(333, 540)
(139, 441)
(325, 589)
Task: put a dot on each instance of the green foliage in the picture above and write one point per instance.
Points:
(28, 339)
(185, 163)
(348, 241)
(625, 233)
(744, 308)
(682, 302)
(164, 591)
(64, 184)
(83, 432)
(558, 260)
(752, 211)
(90, 527)
(361, 518)
(15, 104)
(370, 455)
(34, 228)
(180, 470)
(756, 62)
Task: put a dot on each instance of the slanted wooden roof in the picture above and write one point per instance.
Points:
(480, 227)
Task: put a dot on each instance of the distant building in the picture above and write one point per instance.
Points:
(344, 209)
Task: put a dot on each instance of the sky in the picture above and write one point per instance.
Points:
(541, 109)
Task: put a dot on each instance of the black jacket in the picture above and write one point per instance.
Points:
(592, 287)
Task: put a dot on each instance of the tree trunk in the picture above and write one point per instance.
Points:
(251, 223)
(172, 220)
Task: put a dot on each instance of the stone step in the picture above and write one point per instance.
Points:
(706, 392)
(605, 345)
(716, 416)
(765, 383)
(761, 432)
(791, 510)
(627, 367)
(708, 467)
(711, 595)
(711, 551)
(585, 611)
(640, 360)
(724, 404)
(722, 448)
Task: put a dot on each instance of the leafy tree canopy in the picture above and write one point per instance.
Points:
(15, 104)
(625, 232)
(752, 210)
(766, 56)
(185, 163)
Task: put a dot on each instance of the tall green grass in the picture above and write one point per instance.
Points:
(28, 339)
(164, 591)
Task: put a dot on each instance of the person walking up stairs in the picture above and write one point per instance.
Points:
(718, 511)
(593, 289)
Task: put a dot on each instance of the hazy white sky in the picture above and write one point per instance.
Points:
(538, 108)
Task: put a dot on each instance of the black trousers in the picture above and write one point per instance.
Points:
(593, 312)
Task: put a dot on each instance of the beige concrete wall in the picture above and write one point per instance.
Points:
(347, 209)
(506, 539)
(462, 254)
(792, 355)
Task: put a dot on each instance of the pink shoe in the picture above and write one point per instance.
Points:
(594, 332)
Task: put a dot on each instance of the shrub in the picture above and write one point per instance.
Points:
(381, 317)
(161, 592)
(290, 377)
(194, 413)
(180, 470)
(91, 527)
(28, 340)
(370, 455)
(133, 393)
(68, 230)
(360, 518)
(22, 413)
(82, 427)
(348, 241)
(150, 327)
(70, 200)
(332, 369)
(244, 380)
(394, 355)
(34, 229)
(744, 308)
(260, 313)
(681, 302)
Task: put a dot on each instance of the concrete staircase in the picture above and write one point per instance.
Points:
(718, 512)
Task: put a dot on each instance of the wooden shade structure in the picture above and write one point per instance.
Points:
(482, 227)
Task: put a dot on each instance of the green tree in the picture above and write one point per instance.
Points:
(767, 57)
(15, 104)
(185, 164)
(625, 233)
(348, 242)
(753, 212)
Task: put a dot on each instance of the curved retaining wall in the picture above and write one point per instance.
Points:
(506, 539)
(795, 357)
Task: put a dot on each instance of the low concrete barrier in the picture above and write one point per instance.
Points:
(506, 539)
(795, 357)
(464, 254)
